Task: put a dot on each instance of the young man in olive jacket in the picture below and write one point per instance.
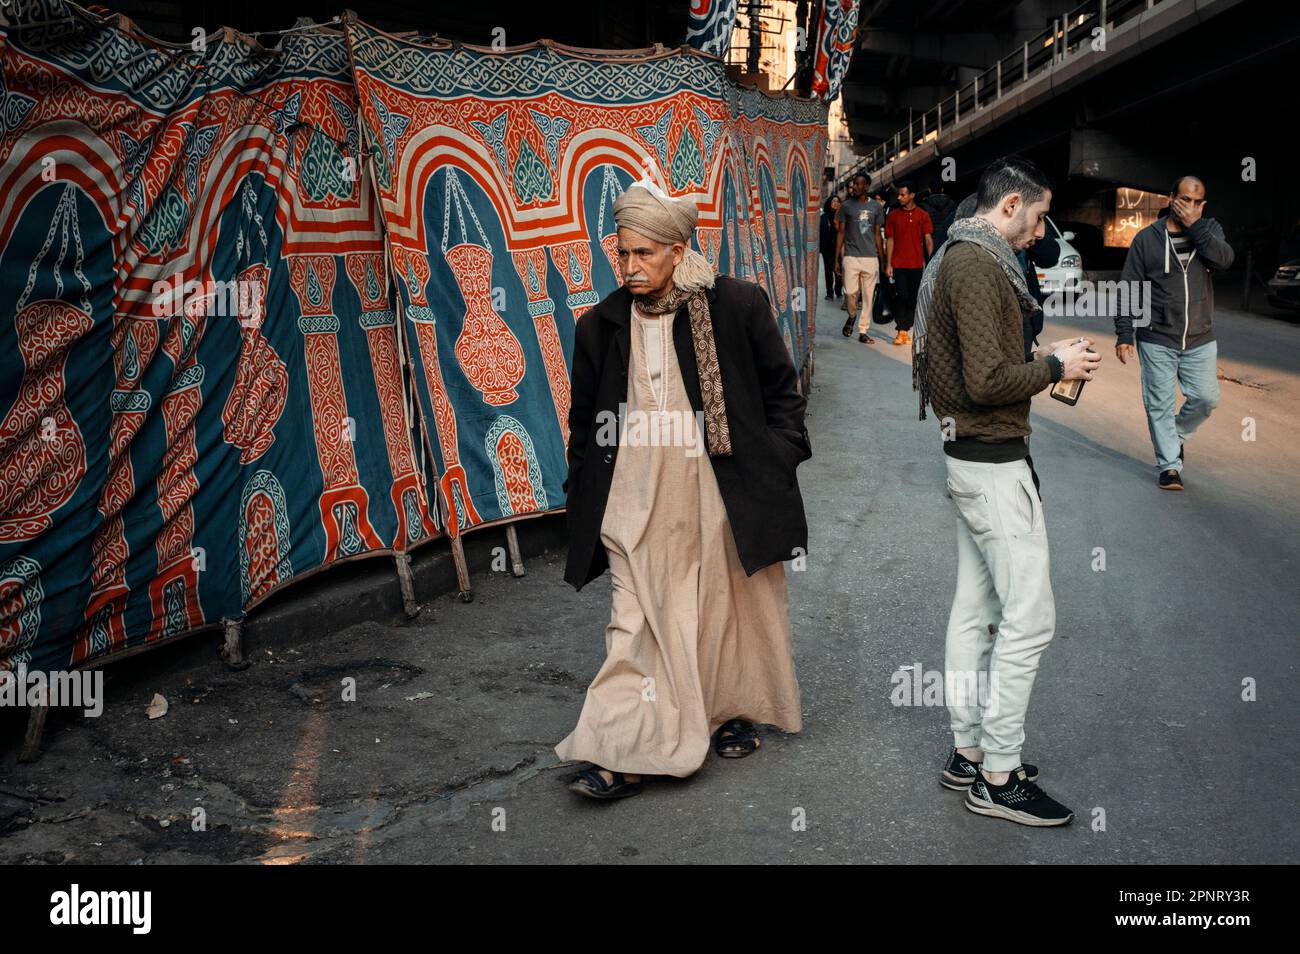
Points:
(979, 383)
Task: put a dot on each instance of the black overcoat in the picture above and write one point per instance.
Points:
(764, 410)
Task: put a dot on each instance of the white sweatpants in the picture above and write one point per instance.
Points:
(1003, 613)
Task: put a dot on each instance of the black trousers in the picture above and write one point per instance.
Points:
(834, 283)
(907, 282)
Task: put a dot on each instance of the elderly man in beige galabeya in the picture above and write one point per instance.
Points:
(698, 645)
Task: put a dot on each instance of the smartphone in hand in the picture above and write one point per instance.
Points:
(1067, 392)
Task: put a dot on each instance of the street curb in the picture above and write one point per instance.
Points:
(368, 589)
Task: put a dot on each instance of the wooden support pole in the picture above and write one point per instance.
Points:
(232, 649)
(512, 544)
(466, 594)
(31, 747)
(406, 581)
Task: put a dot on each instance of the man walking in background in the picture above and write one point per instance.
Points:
(859, 244)
(1175, 255)
(830, 240)
(942, 211)
(977, 379)
(908, 243)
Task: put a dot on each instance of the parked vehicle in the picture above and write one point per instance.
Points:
(1284, 287)
(1067, 272)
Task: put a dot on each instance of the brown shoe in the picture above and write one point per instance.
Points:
(865, 338)
(900, 338)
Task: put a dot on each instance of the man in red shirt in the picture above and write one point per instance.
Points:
(909, 243)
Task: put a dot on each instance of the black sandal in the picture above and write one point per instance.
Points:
(741, 739)
(592, 784)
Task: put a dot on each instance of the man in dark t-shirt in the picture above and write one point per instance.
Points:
(859, 242)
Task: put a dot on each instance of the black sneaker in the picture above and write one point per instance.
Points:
(848, 327)
(961, 771)
(1171, 480)
(1020, 801)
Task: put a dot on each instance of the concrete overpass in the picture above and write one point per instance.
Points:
(1111, 95)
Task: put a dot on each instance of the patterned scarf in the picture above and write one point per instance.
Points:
(706, 359)
(980, 232)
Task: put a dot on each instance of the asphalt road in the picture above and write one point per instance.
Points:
(1137, 721)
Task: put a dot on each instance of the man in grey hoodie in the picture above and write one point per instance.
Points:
(1176, 255)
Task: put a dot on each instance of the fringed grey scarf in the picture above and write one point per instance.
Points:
(983, 233)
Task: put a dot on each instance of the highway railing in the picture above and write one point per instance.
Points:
(1075, 29)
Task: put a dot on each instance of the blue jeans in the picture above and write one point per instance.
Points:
(1197, 374)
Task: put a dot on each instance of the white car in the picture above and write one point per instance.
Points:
(1068, 270)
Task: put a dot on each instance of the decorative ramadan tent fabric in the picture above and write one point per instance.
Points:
(273, 309)
(497, 174)
(710, 25)
(836, 31)
(201, 385)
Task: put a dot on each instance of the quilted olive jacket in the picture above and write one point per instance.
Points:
(975, 347)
